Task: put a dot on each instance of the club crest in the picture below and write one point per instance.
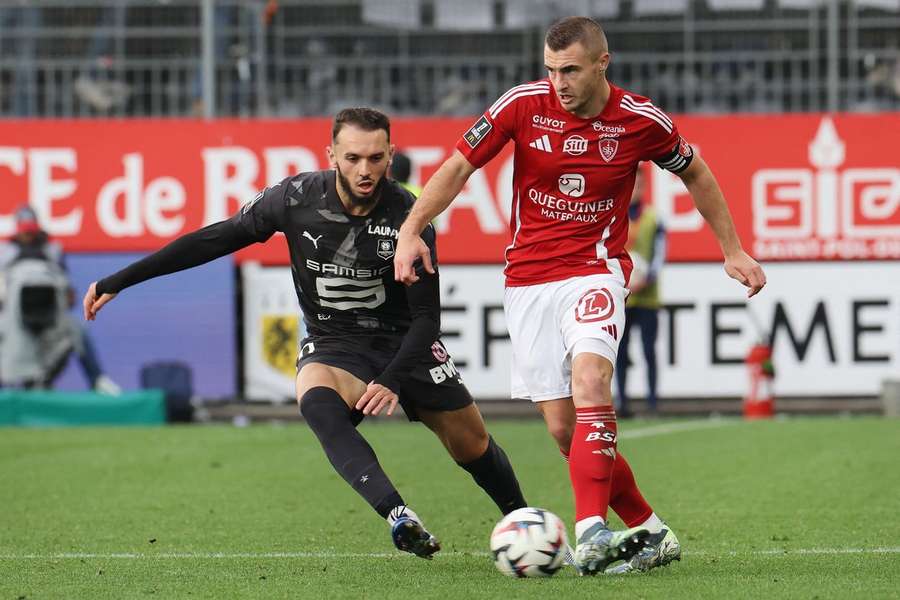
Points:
(386, 248)
(608, 148)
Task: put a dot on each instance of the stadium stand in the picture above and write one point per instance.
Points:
(150, 58)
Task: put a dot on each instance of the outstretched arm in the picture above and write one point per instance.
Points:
(439, 192)
(710, 201)
(190, 250)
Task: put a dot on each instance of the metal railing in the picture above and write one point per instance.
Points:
(260, 58)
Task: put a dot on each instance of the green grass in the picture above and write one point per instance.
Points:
(748, 500)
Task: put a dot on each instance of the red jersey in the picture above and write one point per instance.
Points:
(572, 178)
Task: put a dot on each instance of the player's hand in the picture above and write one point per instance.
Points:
(376, 398)
(92, 304)
(410, 248)
(742, 267)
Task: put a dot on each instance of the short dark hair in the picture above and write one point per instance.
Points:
(569, 30)
(367, 119)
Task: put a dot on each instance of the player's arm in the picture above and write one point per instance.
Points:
(424, 329)
(255, 222)
(709, 200)
(424, 299)
(436, 196)
(476, 148)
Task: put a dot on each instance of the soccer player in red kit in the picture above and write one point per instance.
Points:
(578, 142)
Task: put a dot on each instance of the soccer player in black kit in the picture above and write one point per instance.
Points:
(372, 342)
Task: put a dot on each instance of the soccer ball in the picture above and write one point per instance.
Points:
(529, 542)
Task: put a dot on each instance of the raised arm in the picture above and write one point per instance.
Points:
(255, 222)
(190, 250)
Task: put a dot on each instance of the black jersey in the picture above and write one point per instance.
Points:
(342, 265)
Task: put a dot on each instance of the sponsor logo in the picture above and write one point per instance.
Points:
(542, 122)
(386, 248)
(606, 436)
(314, 240)
(595, 305)
(480, 129)
(608, 148)
(345, 271)
(439, 352)
(441, 373)
(563, 209)
(383, 230)
(612, 130)
(612, 330)
(572, 184)
(575, 145)
(542, 144)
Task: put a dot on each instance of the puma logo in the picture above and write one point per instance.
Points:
(314, 240)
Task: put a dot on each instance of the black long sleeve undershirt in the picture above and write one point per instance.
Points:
(424, 298)
(190, 250)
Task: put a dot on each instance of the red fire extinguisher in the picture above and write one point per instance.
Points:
(759, 402)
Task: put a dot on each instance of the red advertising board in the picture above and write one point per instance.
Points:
(800, 187)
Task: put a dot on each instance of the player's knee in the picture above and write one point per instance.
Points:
(592, 386)
(325, 411)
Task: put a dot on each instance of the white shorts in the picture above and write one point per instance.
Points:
(551, 323)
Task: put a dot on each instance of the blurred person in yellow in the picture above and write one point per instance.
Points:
(647, 247)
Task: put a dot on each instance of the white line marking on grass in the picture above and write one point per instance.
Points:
(457, 554)
(667, 428)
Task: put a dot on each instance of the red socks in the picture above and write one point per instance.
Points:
(591, 460)
(625, 497)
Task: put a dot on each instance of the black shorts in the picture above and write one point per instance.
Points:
(434, 384)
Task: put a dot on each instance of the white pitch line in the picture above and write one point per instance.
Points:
(456, 554)
(678, 427)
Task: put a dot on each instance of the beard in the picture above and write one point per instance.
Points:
(359, 201)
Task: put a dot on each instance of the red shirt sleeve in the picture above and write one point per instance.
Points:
(664, 145)
(481, 142)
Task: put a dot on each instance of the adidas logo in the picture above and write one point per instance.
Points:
(612, 330)
(542, 144)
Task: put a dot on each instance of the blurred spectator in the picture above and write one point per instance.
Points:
(38, 333)
(401, 168)
(647, 248)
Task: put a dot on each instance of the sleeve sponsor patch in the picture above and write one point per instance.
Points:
(477, 132)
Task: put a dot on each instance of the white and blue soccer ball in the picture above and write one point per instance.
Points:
(529, 542)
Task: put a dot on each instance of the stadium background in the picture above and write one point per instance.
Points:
(128, 123)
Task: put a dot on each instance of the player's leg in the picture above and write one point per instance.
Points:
(468, 442)
(625, 497)
(326, 394)
(591, 318)
(649, 323)
(622, 366)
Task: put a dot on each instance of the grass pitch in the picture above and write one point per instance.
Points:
(796, 508)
